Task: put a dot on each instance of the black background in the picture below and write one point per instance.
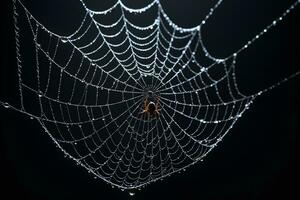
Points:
(258, 159)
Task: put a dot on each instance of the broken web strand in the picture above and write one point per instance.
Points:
(175, 145)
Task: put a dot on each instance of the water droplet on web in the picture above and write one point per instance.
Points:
(6, 105)
(64, 40)
(91, 14)
(131, 193)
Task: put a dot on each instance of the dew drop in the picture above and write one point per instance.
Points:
(91, 14)
(6, 105)
(64, 40)
(131, 193)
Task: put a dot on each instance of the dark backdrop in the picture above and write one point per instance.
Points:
(258, 159)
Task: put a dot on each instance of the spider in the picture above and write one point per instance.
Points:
(151, 108)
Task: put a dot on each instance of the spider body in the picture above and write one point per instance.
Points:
(151, 106)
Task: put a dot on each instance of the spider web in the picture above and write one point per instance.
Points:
(91, 87)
